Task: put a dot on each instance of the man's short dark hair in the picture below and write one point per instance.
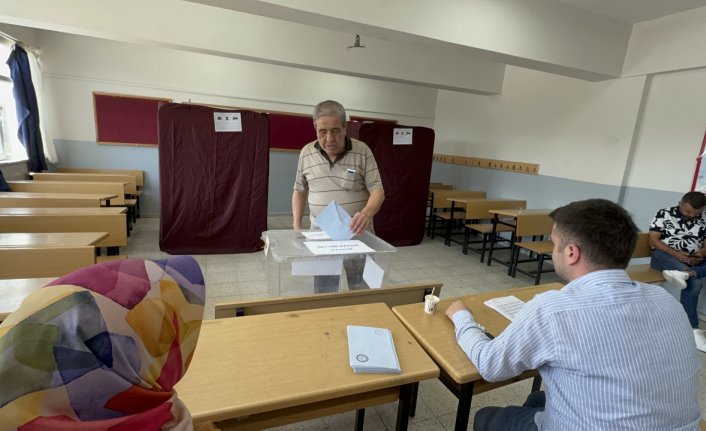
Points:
(697, 200)
(603, 230)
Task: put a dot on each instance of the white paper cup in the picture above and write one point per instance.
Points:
(430, 303)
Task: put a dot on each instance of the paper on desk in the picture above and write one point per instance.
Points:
(372, 273)
(508, 306)
(353, 246)
(371, 350)
(315, 234)
(334, 221)
(317, 267)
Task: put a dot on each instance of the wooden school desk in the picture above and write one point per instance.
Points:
(14, 291)
(529, 214)
(50, 238)
(129, 180)
(256, 372)
(477, 209)
(102, 211)
(116, 188)
(54, 200)
(110, 220)
(437, 336)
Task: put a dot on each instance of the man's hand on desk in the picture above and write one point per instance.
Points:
(455, 306)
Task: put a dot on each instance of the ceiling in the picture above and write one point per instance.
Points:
(634, 11)
(458, 45)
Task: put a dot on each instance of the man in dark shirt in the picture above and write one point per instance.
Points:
(677, 239)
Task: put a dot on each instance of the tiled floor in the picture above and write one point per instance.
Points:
(242, 276)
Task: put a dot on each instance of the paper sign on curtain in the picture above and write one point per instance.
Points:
(227, 122)
(402, 136)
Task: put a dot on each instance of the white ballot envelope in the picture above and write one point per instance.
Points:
(334, 221)
(371, 350)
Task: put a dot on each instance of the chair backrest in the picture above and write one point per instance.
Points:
(441, 197)
(433, 187)
(479, 209)
(138, 173)
(10, 202)
(130, 187)
(113, 224)
(29, 262)
(117, 189)
(533, 224)
(642, 246)
(392, 296)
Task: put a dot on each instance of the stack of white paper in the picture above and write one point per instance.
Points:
(371, 350)
(508, 306)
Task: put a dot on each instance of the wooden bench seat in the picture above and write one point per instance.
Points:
(541, 249)
(643, 272)
(392, 296)
(485, 230)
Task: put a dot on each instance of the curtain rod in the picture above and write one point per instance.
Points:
(26, 47)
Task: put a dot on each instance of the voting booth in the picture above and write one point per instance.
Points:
(307, 262)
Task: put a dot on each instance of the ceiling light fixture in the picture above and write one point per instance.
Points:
(356, 43)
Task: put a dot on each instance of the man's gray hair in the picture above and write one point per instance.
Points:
(330, 108)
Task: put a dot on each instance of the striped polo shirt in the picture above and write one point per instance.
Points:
(349, 180)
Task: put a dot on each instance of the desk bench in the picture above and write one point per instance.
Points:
(65, 221)
(257, 372)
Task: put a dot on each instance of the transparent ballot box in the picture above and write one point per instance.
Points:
(294, 269)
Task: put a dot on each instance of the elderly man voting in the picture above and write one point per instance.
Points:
(614, 353)
(336, 167)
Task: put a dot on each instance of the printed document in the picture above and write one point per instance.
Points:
(371, 350)
(508, 306)
(353, 246)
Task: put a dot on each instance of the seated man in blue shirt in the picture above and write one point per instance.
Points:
(613, 353)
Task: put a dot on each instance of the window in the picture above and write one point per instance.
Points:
(10, 146)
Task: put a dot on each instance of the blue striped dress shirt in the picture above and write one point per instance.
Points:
(614, 355)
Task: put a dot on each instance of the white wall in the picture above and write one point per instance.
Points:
(671, 132)
(75, 66)
(674, 42)
(573, 129)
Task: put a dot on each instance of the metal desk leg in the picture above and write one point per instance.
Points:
(359, 419)
(413, 407)
(404, 405)
(449, 225)
(492, 239)
(463, 412)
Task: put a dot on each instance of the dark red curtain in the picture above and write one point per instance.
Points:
(213, 184)
(405, 172)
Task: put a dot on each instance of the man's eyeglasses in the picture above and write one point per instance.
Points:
(336, 131)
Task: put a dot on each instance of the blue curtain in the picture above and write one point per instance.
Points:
(4, 187)
(27, 109)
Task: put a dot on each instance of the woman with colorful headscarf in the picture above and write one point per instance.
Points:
(102, 348)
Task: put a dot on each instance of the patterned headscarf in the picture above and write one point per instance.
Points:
(102, 348)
